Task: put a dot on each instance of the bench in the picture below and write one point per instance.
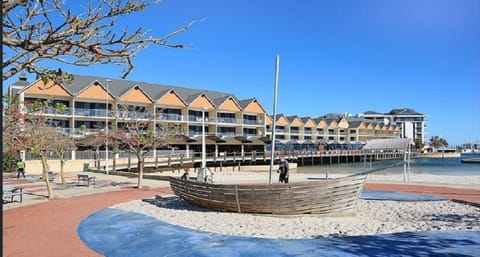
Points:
(51, 176)
(85, 180)
(10, 191)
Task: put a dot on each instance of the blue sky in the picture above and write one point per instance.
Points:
(335, 56)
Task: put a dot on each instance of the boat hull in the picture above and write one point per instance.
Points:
(338, 195)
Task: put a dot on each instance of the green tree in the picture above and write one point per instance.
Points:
(37, 30)
(438, 142)
(419, 144)
(9, 162)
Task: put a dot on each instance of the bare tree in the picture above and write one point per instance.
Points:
(137, 138)
(62, 143)
(34, 133)
(94, 141)
(37, 30)
(34, 136)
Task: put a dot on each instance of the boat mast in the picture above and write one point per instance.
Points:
(272, 155)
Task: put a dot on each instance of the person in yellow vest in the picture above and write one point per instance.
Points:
(20, 168)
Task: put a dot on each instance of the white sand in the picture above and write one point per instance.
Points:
(372, 216)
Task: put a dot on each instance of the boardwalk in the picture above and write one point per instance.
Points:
(248, 158)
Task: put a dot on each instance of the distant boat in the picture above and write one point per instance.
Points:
(470, 149)
(471, 160)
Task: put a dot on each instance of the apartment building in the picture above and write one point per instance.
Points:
(90, 103)
(331, 131)
(412, 124)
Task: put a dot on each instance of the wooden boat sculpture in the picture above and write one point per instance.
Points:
(310, 197)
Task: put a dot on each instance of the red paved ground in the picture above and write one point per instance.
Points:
(461, 194)
(50, 229)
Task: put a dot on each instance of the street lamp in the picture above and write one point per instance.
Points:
(106, 129)
(203, 141)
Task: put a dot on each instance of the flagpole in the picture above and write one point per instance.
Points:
(272, 155)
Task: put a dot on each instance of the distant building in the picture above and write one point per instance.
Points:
(411, 123)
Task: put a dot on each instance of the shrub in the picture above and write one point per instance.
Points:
(10, 162)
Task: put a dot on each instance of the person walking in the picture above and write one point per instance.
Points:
(20, 168)
(283, 169)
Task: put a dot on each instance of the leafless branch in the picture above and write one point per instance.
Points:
(38, 30)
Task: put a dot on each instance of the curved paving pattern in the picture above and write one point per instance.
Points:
(50, 228)
(134, 234)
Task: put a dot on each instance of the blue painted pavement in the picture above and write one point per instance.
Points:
(112, 232)
(397, 196)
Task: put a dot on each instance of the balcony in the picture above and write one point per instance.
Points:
(50, 111)
(90, 112)
(253, 122)
(170, 117)
(196, 118)
(294, 132)
(133, 115)
(227, 120)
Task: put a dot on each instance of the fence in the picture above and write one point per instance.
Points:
(94, 155)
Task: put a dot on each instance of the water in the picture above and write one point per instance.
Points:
(435, 166)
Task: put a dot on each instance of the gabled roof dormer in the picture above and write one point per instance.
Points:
(51, 89)
(95, 91)
(295, 121)
(308, 122)
(229, 104)
(135, 95)
(202, 101)
(252, 106)
(333, 124)
(343, 123)
(171, 98)
(282, 120)
(321, 123)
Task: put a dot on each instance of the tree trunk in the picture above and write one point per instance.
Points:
(114, 162)
(45, 176)
(62, 174)
(140, 171)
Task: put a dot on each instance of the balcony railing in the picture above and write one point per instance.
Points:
(197, 118)
(101, 113)
(253, 122)
(91, 112)
(133, 115)
(50, 111)
(226, 120)
(170, 117)
(226, 134)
